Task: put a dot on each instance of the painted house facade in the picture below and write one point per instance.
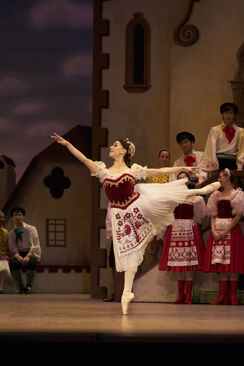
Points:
(55, 191)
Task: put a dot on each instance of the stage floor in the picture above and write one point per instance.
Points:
(52, 318)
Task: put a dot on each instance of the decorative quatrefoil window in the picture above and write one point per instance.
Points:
(57, 182)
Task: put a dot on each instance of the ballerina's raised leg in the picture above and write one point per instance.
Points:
(210, 188)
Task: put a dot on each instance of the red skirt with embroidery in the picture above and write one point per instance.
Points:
(182, 255)
(225, 255)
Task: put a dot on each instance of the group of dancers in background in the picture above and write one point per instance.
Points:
(138, 212)
(184, 249)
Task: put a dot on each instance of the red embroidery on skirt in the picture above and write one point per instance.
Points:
(182, 251)
(132, 230)
(221, 250)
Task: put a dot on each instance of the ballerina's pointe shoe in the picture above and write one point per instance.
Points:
(125, 300)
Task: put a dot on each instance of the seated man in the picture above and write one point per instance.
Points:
(225, 143)
(189, 156)
(25, 249)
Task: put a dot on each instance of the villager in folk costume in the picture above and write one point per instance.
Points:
(189, 156)
(183, 245)
(225, 247)
(225, 143)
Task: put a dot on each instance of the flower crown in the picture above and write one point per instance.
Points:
(131, 148)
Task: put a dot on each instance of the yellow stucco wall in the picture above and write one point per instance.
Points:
(201, 73)
(144, 117)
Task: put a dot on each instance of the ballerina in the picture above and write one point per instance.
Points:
(137, 212)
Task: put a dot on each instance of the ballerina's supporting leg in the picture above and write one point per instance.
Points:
(127, 295)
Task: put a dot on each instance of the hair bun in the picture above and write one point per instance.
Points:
(132, 148)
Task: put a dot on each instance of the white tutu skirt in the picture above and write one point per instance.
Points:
(134, 227)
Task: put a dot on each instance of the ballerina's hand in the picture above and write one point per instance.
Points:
(191, 169)
(59, 139)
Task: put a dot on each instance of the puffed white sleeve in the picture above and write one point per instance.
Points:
(35, 249)
(101, 168)
(212, 204)
(237, 202)
(199, 209)
(209, 159)
(139, 171)
(240, 146)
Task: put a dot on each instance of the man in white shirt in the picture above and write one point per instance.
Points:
(225, 143)
(25, 250)
(189, 156)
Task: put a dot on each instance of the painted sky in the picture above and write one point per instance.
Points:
(45, 73)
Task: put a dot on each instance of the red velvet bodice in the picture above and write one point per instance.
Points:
(224, 209)
(184, 211)
(120, 191)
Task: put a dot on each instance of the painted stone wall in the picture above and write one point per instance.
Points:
(201, 73)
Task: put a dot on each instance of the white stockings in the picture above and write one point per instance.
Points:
(127, 295)
(128, 280)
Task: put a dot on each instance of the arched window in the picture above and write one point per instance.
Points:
(137, 62)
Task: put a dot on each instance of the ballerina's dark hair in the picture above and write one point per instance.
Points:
(127, 157)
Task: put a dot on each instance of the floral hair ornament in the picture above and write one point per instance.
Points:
(227, 171)
(132, 148)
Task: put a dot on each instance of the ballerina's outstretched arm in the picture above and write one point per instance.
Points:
(169, 170)
(90, 164)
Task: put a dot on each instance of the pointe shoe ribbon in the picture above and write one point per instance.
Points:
(125, 300)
